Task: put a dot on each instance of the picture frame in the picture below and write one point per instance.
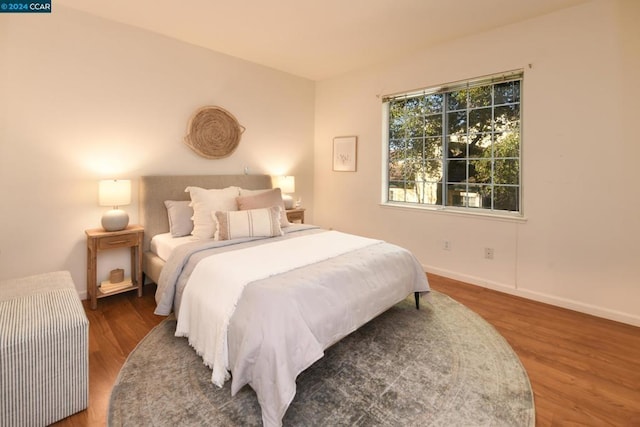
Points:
(345, 153)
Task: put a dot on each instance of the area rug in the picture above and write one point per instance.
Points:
(442, 365)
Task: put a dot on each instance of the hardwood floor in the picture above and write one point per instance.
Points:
(115, 328)
(583, 370)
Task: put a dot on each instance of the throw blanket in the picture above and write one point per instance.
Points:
(217, 282)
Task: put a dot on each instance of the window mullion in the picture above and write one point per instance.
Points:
(493, 146)
(466, 149)
(445, 148)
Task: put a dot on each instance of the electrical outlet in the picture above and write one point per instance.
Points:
(488, 253)
(446, 245)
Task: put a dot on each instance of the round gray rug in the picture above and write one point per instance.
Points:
(440, 366)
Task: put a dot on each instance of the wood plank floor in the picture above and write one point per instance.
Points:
(584, 371)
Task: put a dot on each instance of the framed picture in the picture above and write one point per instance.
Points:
(344, 153)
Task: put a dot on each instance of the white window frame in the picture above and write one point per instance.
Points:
(444, 89)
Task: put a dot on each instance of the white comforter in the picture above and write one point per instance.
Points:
(283, 323)
(216, 283)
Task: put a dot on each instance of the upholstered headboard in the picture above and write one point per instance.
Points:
(154, 190)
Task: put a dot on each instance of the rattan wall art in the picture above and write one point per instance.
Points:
(213, 132)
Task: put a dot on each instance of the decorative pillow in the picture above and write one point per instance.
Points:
(263, 199)
(180, 213)
(205, 202)
(248, 223)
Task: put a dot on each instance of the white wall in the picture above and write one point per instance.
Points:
(83, 99)
(578, 247)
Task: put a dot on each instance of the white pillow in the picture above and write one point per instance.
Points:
(204, 202)
(249, 223)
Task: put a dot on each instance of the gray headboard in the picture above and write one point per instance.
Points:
(154, 190)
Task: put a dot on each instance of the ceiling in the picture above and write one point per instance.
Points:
(317, 39)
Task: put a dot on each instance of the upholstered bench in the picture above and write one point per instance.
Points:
(44, 350)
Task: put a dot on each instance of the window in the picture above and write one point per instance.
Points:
(457, 146)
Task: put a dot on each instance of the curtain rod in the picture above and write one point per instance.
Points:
(441, 88)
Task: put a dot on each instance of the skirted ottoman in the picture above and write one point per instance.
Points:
(44, 350)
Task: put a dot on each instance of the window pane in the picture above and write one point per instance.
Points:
(414, 127)
(433, 103)
(480, 145)
(433, 148)
(410, 192)
(507, 171)
(396, 145)
(480, 96)
(396, 149)
(433, 125)
(477, 196)
(397, 191)
(480, 171)
(457, 100)
(424, 192)
(456, 150)
(507, 144)
(395, 129)
(456, 171)
(396, 120)
(457, 123)
(396, 159)
(507, 92)
(431, 193)
(506, 198)
(413, 107)
(432, 171)
(396, 108)
(480, 120)
(507, 118)
(396, 171)
(454, 195)
(415, 147)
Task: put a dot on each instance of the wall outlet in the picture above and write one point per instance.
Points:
(488, 253)
(446, 245)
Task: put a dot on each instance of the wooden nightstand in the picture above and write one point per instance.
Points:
(100, 240)
(296, 214)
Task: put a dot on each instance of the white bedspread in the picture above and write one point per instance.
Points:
(217, 282)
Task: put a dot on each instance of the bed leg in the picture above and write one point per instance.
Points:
(417, 297)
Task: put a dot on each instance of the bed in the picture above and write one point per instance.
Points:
(286, 309)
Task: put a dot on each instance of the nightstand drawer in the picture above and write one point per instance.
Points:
(123, 241)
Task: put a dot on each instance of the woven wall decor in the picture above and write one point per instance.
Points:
(213, 132)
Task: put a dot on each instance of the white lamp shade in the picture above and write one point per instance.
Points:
(114, 192)
(286, 184)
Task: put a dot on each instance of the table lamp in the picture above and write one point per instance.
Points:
(115, 193)
(287, 185)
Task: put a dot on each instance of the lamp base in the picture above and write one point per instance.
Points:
(115, 220)
(288, 201)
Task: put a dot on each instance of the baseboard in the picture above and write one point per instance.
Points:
(604, 313)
